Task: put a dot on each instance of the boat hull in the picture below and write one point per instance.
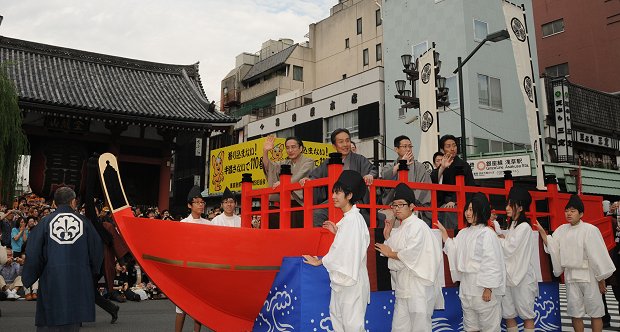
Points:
(218, 275)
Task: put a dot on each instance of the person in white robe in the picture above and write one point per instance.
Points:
(415, 260)
(517, 245)
(476, 260)
(227, 218)
(578, 250)
(196, 205)
(346, 259)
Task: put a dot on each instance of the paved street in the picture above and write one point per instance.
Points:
(155, 315)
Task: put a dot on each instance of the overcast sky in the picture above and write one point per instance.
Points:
(212, 32)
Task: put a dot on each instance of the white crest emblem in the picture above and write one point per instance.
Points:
(427, 121)
(66, 228)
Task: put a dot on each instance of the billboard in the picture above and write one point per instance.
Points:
(489, 168)
(226, 165)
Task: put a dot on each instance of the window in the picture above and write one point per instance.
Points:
(481, 30)
(507, 146)
(552, 28)
(359, 26)
(452, 84)
(365, 56)
(346, 43)
(345, 120)
(482, 145)
(489, 92)
(379, 52)
(378, 17)
(557, 70)
(496, 146)
(298, 73)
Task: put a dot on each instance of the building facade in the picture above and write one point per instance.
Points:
(581, 40)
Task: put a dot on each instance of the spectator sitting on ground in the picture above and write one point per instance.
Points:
(11, 276)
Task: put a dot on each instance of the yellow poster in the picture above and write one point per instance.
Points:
(226, 165)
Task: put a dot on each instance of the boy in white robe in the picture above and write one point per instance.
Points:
(476, 260)
(578, 250)
(517, 245)
(346, 260)
(196, 205)
(415, 259)
(228, 217)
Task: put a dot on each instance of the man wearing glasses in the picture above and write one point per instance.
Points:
(196, 205)
(417, 173)
(228, 218)
(415, 261)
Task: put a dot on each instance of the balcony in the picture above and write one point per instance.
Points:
(232, 98)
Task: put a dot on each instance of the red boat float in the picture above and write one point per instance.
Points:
(221, 276)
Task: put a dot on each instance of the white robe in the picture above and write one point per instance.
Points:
(420, 260)
(476, 260)
(191, 220)
(518, 248)
(346, 264)
(223, 220)
(577, 250)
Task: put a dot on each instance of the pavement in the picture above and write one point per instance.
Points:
(151, 315)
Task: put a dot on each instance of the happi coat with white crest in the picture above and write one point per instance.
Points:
(417, 276)
(346, 264)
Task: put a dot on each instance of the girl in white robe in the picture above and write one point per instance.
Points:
(476, 260)
(346, 259)
(517, 245)
(415, 260)
(578, 250)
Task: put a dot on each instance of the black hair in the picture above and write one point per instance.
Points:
(438, 153)
(18, 221)
(480, 209)
(444, 138)
(400, 138)
(341, 187)
(338, 131)
(521, 218)
(296, 139)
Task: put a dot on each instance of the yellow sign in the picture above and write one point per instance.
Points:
(226, 165)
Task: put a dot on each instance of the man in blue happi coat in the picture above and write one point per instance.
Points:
(64, 252)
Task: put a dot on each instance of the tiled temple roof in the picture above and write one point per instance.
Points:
(67, 82)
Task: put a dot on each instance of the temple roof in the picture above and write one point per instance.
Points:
(68, 82)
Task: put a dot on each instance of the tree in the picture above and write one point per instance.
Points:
(13, 141)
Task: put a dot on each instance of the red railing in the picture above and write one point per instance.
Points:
(555, 201)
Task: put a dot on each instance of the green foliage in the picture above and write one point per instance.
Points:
(13, 141)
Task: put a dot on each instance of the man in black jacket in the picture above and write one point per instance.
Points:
(446, 174)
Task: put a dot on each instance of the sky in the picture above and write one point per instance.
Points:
(212, 32)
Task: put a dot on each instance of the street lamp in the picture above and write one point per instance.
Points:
(492, 37)
(412, 74)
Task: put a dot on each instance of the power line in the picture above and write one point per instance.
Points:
(477, 125)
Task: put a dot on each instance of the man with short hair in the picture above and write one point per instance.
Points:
(6, 225)
(228, 217)
(10, 276)
(446, 174)
(64, 252)
(578, 250)
(341, 139)
(417, 173)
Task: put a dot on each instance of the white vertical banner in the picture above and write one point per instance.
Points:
(515, 21)
(428, 109)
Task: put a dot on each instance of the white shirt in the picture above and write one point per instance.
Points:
(518, 249)
(223, 220)
(476, 259)
(346, 259)
(577, 250)
(191, 219)
(420, 260)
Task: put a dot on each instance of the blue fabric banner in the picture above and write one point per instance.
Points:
(299, 301)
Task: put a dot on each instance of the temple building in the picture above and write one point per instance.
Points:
(154, 117)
